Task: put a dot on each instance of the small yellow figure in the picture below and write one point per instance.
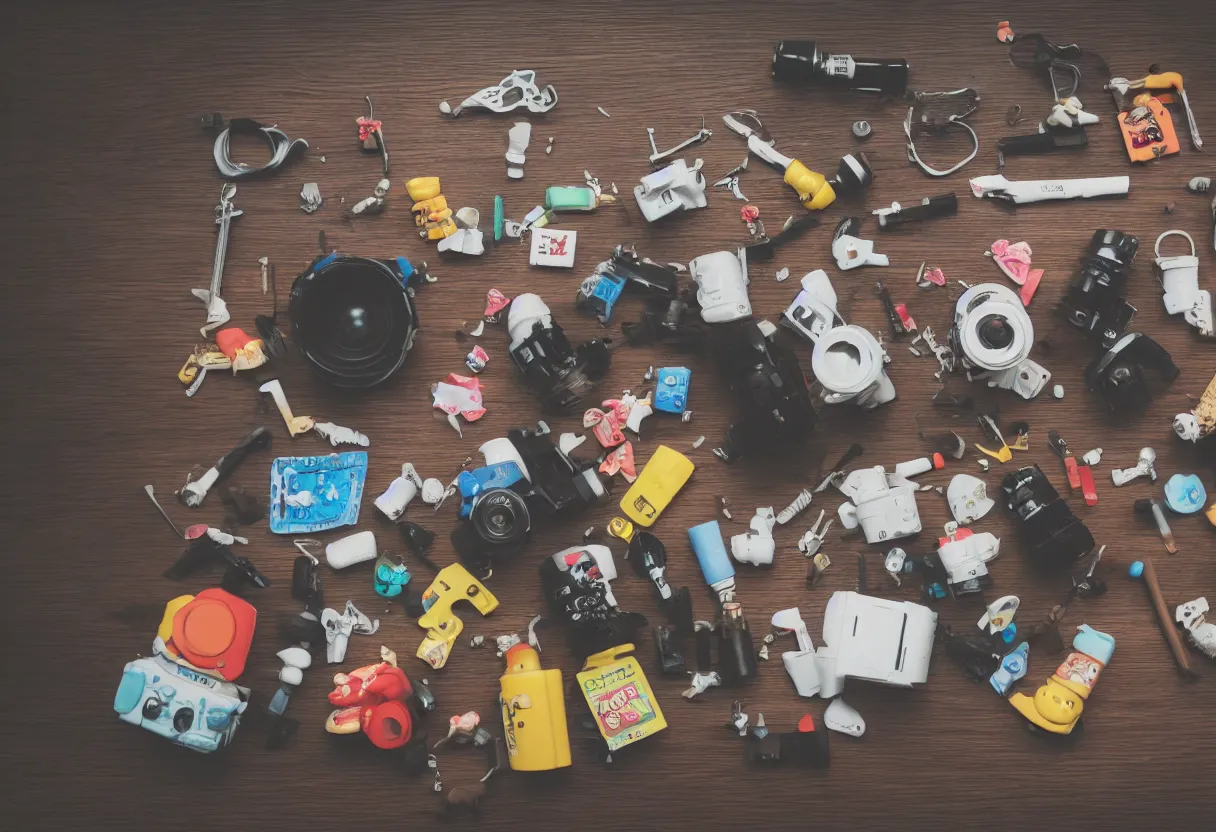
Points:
(431, 212)
(533, 713)
(1057, 705)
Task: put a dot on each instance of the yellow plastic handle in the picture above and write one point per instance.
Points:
(813, 189)
(1164, 81)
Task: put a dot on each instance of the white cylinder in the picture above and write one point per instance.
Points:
(351, 549)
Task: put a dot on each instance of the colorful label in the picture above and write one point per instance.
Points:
(621, 701)
(1080, 669)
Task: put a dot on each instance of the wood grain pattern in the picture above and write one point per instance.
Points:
(110, 190)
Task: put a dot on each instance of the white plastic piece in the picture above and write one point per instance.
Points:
(518, 89)
(676, 187)
(964, 556)
(870, 638)
(721, 279)
(469, 241)
(400, 492)
(802, 664)
(1092, 457)
(432, 491)
(500, 450)
(1070, 112)
(1146, 465)
(352, 549)
(1057, 391)
(340, 625)
(567, 442)
(813, 311)
(291, 675)
(637, 412)
(518, 138)
(843, 718)
(968, 498)
(1192, 616)
(756, 546)
(1041, 190)
(850, 365)
(999, 614)
(1180, 281)
(853, 252)
(553, 247)
(338, 435)
(296, 657)
(1004, 360)
(883, 504)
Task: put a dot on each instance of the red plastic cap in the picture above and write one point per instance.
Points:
(806, 724)
(938, 462)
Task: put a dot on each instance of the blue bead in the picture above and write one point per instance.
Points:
(1136, 569)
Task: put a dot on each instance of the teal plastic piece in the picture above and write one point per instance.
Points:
(499, 218)
(570, 198)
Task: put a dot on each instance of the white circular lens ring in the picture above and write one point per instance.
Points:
(1001, 302)
(869, 359)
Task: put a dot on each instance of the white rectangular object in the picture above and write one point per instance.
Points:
(878, 640)
(553, 247)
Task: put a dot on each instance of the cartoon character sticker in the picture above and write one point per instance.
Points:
(1080, 669)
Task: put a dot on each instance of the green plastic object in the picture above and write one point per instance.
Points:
(499, 211)
(570, 198)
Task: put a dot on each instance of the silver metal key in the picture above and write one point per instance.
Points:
(217, 309)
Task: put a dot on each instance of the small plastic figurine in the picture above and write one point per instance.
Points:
(431, 212)
(1056, 706)
(1192, 616)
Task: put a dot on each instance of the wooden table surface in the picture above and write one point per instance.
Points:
(110, 188)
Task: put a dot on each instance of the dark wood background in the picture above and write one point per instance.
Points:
(110, 188)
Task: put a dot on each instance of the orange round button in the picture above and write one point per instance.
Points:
(207, 628)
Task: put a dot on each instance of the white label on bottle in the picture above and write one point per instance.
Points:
(841, 65)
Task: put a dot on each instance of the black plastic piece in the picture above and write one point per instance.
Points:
(1048, 140)
(666, 648)
(736, 653)
(578, 596)
(306, 584)
(931, 207)
(801, 62)
(973, 652)
(772, 397)
(1121, 374)
(419, 539)
(809, 749)
(558, 373)
(1054, 535)
(204, 551)
(557, 481)
(1095, 300)
(353, 318)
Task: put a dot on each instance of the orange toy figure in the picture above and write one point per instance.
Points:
(1003, 33)
(1148, 130)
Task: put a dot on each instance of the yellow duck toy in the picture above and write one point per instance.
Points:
(1056, 707)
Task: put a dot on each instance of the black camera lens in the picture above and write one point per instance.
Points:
(183, 718)
(152, 708)
(501, 517)
(994, 332)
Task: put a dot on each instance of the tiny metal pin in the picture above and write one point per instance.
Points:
(152, 496)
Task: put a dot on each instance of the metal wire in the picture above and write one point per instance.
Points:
(282, 147)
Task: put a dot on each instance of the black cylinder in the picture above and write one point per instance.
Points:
(801, 62)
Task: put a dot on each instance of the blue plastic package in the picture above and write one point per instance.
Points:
(671, 389)
(316, 493)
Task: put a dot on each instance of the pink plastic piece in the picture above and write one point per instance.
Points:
(1013, 259)
(496, 301)
(620, 461)
(459, 394)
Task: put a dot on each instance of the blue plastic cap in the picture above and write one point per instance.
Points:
(711, 552)
(1136, 569)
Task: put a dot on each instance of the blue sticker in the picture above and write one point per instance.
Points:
(671, 389)
(316, 493)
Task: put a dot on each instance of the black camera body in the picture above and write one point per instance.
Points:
(1095, 300)
(1056, 537)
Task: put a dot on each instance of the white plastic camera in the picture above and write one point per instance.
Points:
(676, 187)
(757, 546)
(721, 278)
(850, 365)
(994, 333)
(192, 709)
(813, 311)
(883, 504)
(869, 638)
(965, 555)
